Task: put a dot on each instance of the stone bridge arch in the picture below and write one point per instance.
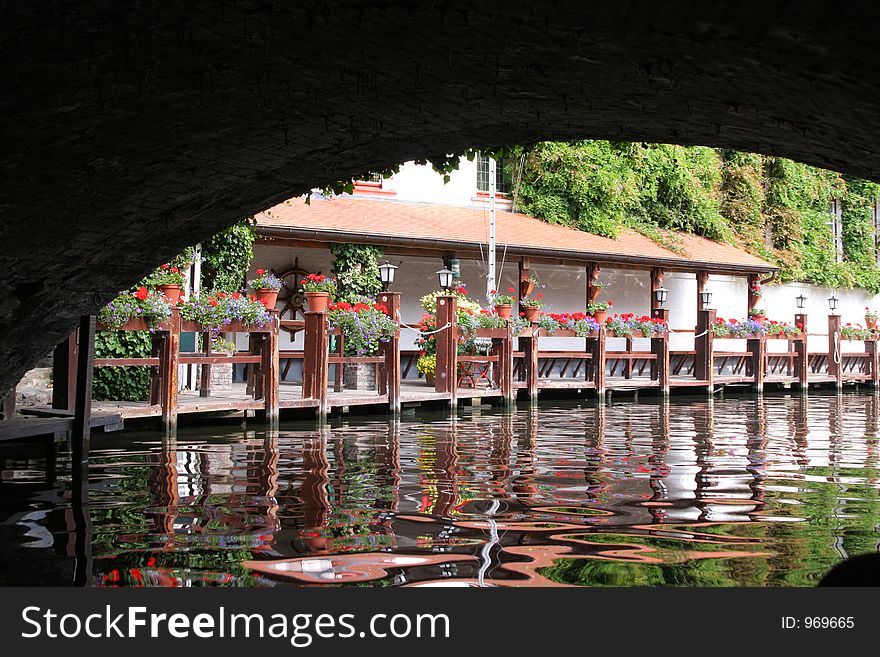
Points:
(133, 129)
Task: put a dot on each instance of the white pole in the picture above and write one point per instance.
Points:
(490, 275)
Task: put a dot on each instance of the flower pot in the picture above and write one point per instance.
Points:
(758, 318)
(503, 310)
(359, 376)
(267, 296)
(871, 323)
(318, 301)
(600, 316)
(531, 313)
(429, 380)
(526, 288)
(171, 292)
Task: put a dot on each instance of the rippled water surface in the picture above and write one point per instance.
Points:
(732, 492)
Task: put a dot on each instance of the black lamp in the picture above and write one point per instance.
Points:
(832, 302)
(386, 274)
(446, 276)
(705, 299)
(800, 300)
(661, 294)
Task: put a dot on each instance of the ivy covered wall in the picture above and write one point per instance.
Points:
(775, 208)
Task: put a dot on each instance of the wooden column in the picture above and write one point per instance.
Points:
(9, 404)
(656, 284)
(530, 361)
(390, 382)
(660, 348)
(835, 364)
(871, 349)
(82, 413)
(753, 298)
(169, 358)
(704, 359)
(702, 281)
(757, 360)
(205, 379)
(593, 290)
(315, 356)
(446, 374)
(271, 366)
(802, 365)
(505, 366)
(524, 273)
(599, 360)
(64, 373)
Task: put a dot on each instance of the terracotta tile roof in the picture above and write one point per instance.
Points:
(427, 225)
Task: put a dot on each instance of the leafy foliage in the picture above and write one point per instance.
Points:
(122, 383)
(356, 268)
(227, 257)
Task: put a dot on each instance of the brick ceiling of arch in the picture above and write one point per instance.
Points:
(133, 129)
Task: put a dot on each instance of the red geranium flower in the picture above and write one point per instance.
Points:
(260, 272)
(142, 293)
(511, 290)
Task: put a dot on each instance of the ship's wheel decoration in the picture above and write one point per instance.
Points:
(290, 298)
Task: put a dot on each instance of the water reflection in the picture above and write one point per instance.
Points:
(742, 491)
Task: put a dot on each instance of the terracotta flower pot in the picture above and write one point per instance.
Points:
(318, 301)
(532, 313)
(600, 316)
(171, 292)
(268, 296)
(429, 380)
(526, 288)
(503, 310)
(758, 318)
(871, 323)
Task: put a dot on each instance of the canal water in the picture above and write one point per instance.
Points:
(738, 491)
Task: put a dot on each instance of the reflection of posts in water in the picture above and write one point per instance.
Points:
(595, 438)
(268, 478)
(871, 434)
(800, 428)
(313, 491)
(162, 483)
(704, 447)
(835, 429)
(657, 460)
(445, 470)
(79, 453)
(756, 444)
(387, 454)
(499, 450)
(524, 488)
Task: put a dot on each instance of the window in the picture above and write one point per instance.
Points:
(370, 180)
(836, 225)
(502, 181)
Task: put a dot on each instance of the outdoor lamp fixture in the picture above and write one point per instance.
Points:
(800, 300)
(705, 299)
(386, 274)
(661, 294)
(446, 276)
(832, 302)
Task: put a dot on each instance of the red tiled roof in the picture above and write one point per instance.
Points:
(424, 224)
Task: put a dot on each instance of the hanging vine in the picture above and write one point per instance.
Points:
(356, 267)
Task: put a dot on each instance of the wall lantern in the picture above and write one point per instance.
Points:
(705, 299)
(832, 302)
(453, 264)
(446, 276)
(386, 274)
(661, 294)
(800, 300)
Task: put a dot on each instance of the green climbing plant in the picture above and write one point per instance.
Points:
(226, 258)
(122, 383)
(356, 267)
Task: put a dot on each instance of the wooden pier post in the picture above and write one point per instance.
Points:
(835, 364)
(529, 345)
(599, 360)
(205, 369)
(505, 366)
(271, 366)
(873, 361)
(446, 374)
(315, 357)
(9, 405)
(64, 373)
(82, 413)
(660, 348)
(704, 358)
(169, 358)
(390, 382)
(757, 367)
(802, 363)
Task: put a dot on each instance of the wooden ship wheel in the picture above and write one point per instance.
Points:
(290, 298)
